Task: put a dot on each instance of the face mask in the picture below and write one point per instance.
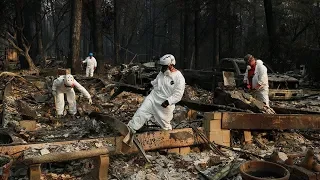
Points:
(167, 72)
(164, 69)
(68, 87)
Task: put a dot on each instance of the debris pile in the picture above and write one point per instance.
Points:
(77, 169)
(309, 103)
(198, 95)
(29, 112)
(167, 166)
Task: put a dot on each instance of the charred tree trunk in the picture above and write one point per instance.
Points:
(153, 28)
(216, 34)
(55, 30)
(242, 33)
(76, 19)
(19, 21)
(232, 27)
(38, 15)
(32, 67)
(181, 63)
(196, 34)
(186, 35)
(29, 23)
(254, 21)
(115, 33)
(22, 46)
(271, 29)
(96, 32)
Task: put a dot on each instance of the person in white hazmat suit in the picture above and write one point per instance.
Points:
(168, 89)
(258, 80)
(91, 65)
(64, 85)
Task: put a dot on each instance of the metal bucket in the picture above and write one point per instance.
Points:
(5, 165)
(263, 170)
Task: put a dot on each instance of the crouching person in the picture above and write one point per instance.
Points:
(256, 78)
(64, 85)
(168, 89)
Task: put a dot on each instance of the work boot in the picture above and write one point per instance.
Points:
(70, 116)
(59, 116)
(57, 122)
(73, 116)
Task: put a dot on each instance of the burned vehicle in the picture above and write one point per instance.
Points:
(281, 87)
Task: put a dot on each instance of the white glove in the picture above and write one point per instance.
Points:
(54, 93)
(90, 101)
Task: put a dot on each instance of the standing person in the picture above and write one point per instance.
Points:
(168, 89)
(64, 85)
(91, 65)
(256, 78)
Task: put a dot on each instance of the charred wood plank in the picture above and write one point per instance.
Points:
(60, 157)
(241, 100)
(208, 107)
(128, 88)
(149, 141)
(269, 121)
(285, 110)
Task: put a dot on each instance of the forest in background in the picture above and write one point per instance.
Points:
(283, 33)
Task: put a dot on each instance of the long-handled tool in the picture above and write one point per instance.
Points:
(211, 145)
(123, 130)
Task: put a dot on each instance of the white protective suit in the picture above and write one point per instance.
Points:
(167, 86)
(59, 89)
(91, 65)
(260, 77)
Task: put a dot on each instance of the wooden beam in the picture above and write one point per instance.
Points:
(169, 139)
(249, 121)
(15, 150)
(149, 141)
(67, 156)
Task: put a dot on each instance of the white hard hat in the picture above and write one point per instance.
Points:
(167, 60)
(69, 80)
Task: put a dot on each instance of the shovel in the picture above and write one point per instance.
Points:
(123, 129)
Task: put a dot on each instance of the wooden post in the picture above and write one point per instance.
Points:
(212, 128)
(102, 167)
(247, 137)
(35, 172)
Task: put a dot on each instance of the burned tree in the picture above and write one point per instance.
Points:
(14, 34)
(75, 32)
(94, 13)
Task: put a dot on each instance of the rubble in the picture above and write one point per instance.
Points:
(29, 99)
(310, 103)
(198, 95)
(169, 166)
(21, 106)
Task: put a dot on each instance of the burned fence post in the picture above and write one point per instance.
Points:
(35, 172)
(213, 130)
(101, 167)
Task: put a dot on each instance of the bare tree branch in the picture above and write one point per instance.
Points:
(16, 47)
(55, 38)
